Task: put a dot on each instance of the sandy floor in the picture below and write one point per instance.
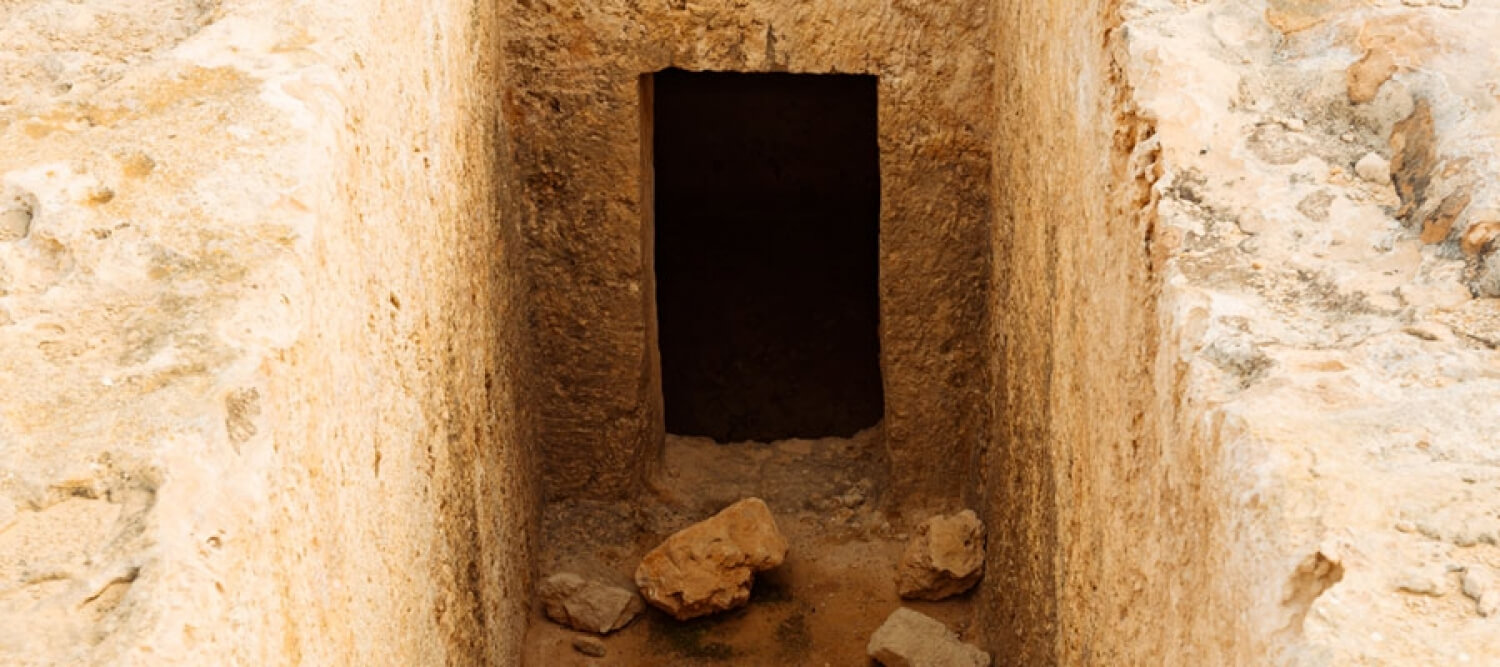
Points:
(818, 608)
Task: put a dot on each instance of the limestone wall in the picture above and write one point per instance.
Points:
(1244, 358)
(259, 336)
(575, 104)
(1330, 331)
(1195, 300)
(1072, 313)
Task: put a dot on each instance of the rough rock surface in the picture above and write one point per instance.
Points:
(205, 259)
(1240, 379)
(586, 605)
(945, 557)
(224, 223)
(579, 134)
(1324, 377)
(710, 566)
(912, 639)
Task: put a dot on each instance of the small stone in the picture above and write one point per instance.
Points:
(1479, 237)
(1252, 222)
(1316, 205)
(944, 558)
(1373, 168)
(100, 195)
(1488, 604)
(15, 223)
(1419, 583)
(853, 498)
(710, 566)
(911, 639)
(589, 646)
(1478, 580)
(589, 606)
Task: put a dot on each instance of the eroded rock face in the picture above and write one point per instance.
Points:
(586, 605)
(912, 639)
(587, 127)
(709, 566)
(945, 557)
(168, 319)
(1411, 291)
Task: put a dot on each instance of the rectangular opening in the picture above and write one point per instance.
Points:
(766, 218)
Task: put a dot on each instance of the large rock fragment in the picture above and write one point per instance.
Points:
(586, 605)
(709, 566)
(945, 557)
(912, 639)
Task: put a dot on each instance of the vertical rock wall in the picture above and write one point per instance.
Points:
(415, 467)
(1243, 355)
(1326, 464)
(575, 107)
(260, 337)
(1098, 508)
(1072, 331)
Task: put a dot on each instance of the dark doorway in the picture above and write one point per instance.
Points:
(767, 203)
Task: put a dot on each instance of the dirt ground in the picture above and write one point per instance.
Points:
(818, 608)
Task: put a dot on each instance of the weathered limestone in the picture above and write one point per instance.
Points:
(944, 557)
(912, 639)
(260, 336)
(581, 134)
(710, 566)
(1211, 359)
(1303, 421)
(586, 605)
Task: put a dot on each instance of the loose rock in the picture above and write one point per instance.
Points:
(709, 566)
(589, 646)
(1489, 604)
(1373, 168)
(589, 606)
(944, 558)
(1420, 583)
(911, 639)
(15, 219)
(1479, 583)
